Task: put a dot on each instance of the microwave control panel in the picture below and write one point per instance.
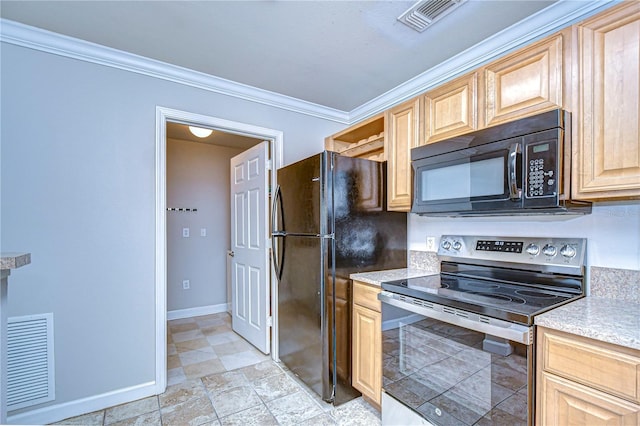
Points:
(541, 169)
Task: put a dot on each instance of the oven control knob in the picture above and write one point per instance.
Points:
(549, 250)
(457, 245)
(446, 245)
(568, 251)
(533, 249)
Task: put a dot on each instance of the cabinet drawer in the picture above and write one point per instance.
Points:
(366, 295)
(610, 368)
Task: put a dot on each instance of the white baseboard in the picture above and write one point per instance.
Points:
(58, 412)
(199, 311)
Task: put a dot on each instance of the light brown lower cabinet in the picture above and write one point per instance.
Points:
(567, 403)
(343, 348)
(582, 381)
(367, 342)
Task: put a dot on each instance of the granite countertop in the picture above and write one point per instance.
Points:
(10, 260)
(377, 277)
(608, 320)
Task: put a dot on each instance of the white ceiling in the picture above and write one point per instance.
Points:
(338, 54)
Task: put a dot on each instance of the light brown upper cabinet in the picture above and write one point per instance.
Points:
(401, 134)
(362, 140)
(451, 109)
(606, 138)
(526, 82)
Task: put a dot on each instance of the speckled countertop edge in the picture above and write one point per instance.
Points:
(377, 277)
(608, 320)
(10, 260)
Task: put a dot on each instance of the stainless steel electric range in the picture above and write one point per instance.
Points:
(458, 346)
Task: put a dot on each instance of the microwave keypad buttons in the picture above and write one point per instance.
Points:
(536, 177)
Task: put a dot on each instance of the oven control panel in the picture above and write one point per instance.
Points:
(566, 253)
(499, 245)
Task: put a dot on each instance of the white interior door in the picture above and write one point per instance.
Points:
(249, 236)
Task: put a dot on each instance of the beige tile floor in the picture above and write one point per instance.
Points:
(216, 378)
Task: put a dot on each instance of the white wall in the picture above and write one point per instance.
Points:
(78, 192)
(612, 231)
(198, 177)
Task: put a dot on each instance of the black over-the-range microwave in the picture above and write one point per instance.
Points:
(520, 167)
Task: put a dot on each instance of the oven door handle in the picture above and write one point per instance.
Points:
(507, 330)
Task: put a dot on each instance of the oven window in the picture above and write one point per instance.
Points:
(443, 372)
(475, 178)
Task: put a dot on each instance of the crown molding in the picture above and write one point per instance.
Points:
(549, 20)
(46, 41)
(553, 18)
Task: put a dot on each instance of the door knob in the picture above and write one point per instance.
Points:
(230, 253)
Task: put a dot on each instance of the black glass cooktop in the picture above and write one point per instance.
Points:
(511, 302)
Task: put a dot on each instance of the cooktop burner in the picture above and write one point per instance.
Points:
(483, 285)
(540, 294)
(492, 298)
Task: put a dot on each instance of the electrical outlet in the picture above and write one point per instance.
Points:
(431, 244)
(185, 232)
(186, 285)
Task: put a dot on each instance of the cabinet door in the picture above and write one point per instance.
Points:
(343, 333)
(402, 134)
(567, 403)
(607, 140)
(367, 352)
(526, 82)
(451, 109)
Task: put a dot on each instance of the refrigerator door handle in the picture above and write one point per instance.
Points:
(277, 266)
(277, 197)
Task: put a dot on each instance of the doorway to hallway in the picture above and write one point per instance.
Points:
(164, 117)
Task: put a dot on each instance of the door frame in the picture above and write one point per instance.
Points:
(164, 115)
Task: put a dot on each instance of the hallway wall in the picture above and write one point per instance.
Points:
(198, 176)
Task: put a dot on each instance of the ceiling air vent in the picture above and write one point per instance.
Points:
(426, 12)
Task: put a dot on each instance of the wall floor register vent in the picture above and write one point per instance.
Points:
(427, 12)
(30, 367)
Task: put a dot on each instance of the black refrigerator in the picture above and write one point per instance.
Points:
(329, 219)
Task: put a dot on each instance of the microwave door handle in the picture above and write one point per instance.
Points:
(514, 192)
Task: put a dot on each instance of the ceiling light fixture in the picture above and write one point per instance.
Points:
(200, 132)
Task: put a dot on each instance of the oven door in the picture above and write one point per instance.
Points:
(454, 370)
(482, 178)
